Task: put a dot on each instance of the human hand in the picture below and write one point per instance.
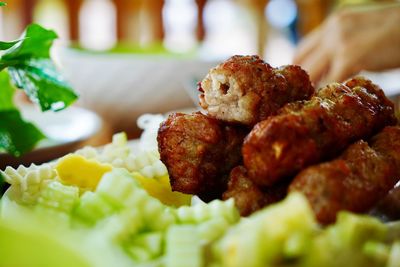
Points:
(351, 40)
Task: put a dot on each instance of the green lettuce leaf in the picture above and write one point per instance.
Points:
(16, 135)
(8, 45)
(31, 69)
(6, 92)
(43, 84)
(36, 42)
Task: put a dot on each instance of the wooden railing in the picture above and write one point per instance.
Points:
(19, 13)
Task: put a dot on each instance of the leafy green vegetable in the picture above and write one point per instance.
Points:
(6, 92)
(16, 135)
(3, 4)
(30, 68)
(43, 84)
(36, 42)
(8, 45)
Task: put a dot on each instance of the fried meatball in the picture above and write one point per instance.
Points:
(245, 89)
(356, 180)
(308, 132)
(247, 195)
(199, 153)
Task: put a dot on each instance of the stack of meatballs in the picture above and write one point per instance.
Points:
(265, 132)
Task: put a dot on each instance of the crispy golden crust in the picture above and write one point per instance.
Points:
(311, 131)
(245, 89)
(355, 181)
(199, 152)
(248, 196)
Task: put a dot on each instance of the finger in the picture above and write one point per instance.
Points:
(317, 63)
(306, 46)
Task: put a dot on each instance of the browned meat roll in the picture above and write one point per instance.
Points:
(246, 90)
(308, 132)
(199, 153)
(355, 181)
(248, 196)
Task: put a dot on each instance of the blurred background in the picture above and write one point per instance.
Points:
(129, 57)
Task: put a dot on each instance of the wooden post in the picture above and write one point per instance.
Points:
(200, 30)
(73, 8)
(128, 20)
(27, 12)
(17, 15)
(257, 8)
(154, 20)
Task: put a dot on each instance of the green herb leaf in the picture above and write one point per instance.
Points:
(29, 66)
(36, 43)
(16, 135)
(8, 45)
(43, 84)
(3, 4)
(31, 69)
(6, 92)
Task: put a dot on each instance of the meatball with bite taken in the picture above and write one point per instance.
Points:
(246, 90)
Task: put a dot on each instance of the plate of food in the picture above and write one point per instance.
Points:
(270, 173)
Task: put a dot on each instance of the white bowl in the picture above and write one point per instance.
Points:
(121, 87)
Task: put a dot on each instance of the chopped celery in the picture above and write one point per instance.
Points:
(122, 226)
(377, 250)
(59, 197)
(355, 230)
(93, 207)
(158, 219)
(297, 245)
(146, 246)
(261, 240)
(394, 258)
(117, 187)
(211, 230)
(342, 244)
(139, 254)
(203, 212)
(183, 247)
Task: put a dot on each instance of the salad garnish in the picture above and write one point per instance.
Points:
(26, 64)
